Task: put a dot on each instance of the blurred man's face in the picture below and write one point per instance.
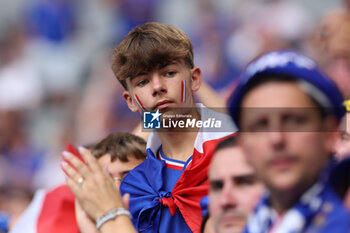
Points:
(234, 190)
(282, 136)
(118, 169)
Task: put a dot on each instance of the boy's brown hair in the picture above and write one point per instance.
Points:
(148, 46)
(120, 146)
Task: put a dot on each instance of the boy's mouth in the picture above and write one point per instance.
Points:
(163, 104)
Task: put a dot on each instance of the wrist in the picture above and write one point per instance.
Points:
(111, 215)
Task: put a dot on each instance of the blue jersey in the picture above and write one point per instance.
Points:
(172, 172)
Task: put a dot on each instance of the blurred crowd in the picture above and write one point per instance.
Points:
(56, 84)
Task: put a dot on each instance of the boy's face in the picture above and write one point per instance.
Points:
(167, 87)
(118, 169)
(282, 135)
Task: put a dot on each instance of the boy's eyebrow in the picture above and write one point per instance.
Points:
(161, 66)
(139, 74)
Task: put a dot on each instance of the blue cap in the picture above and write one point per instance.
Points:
(302, 68)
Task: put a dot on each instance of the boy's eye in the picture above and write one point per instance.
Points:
(170, 73)
(142, 83)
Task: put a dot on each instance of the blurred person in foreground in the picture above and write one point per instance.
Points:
(57, 211)
(288, 113)
(234, 188)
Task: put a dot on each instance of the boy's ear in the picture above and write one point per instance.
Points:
(129, 100)
(196, 79)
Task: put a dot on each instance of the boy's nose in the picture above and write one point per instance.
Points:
(159, 86)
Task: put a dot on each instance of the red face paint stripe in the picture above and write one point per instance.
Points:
(138, 101)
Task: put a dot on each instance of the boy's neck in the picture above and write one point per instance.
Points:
(179, 144)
